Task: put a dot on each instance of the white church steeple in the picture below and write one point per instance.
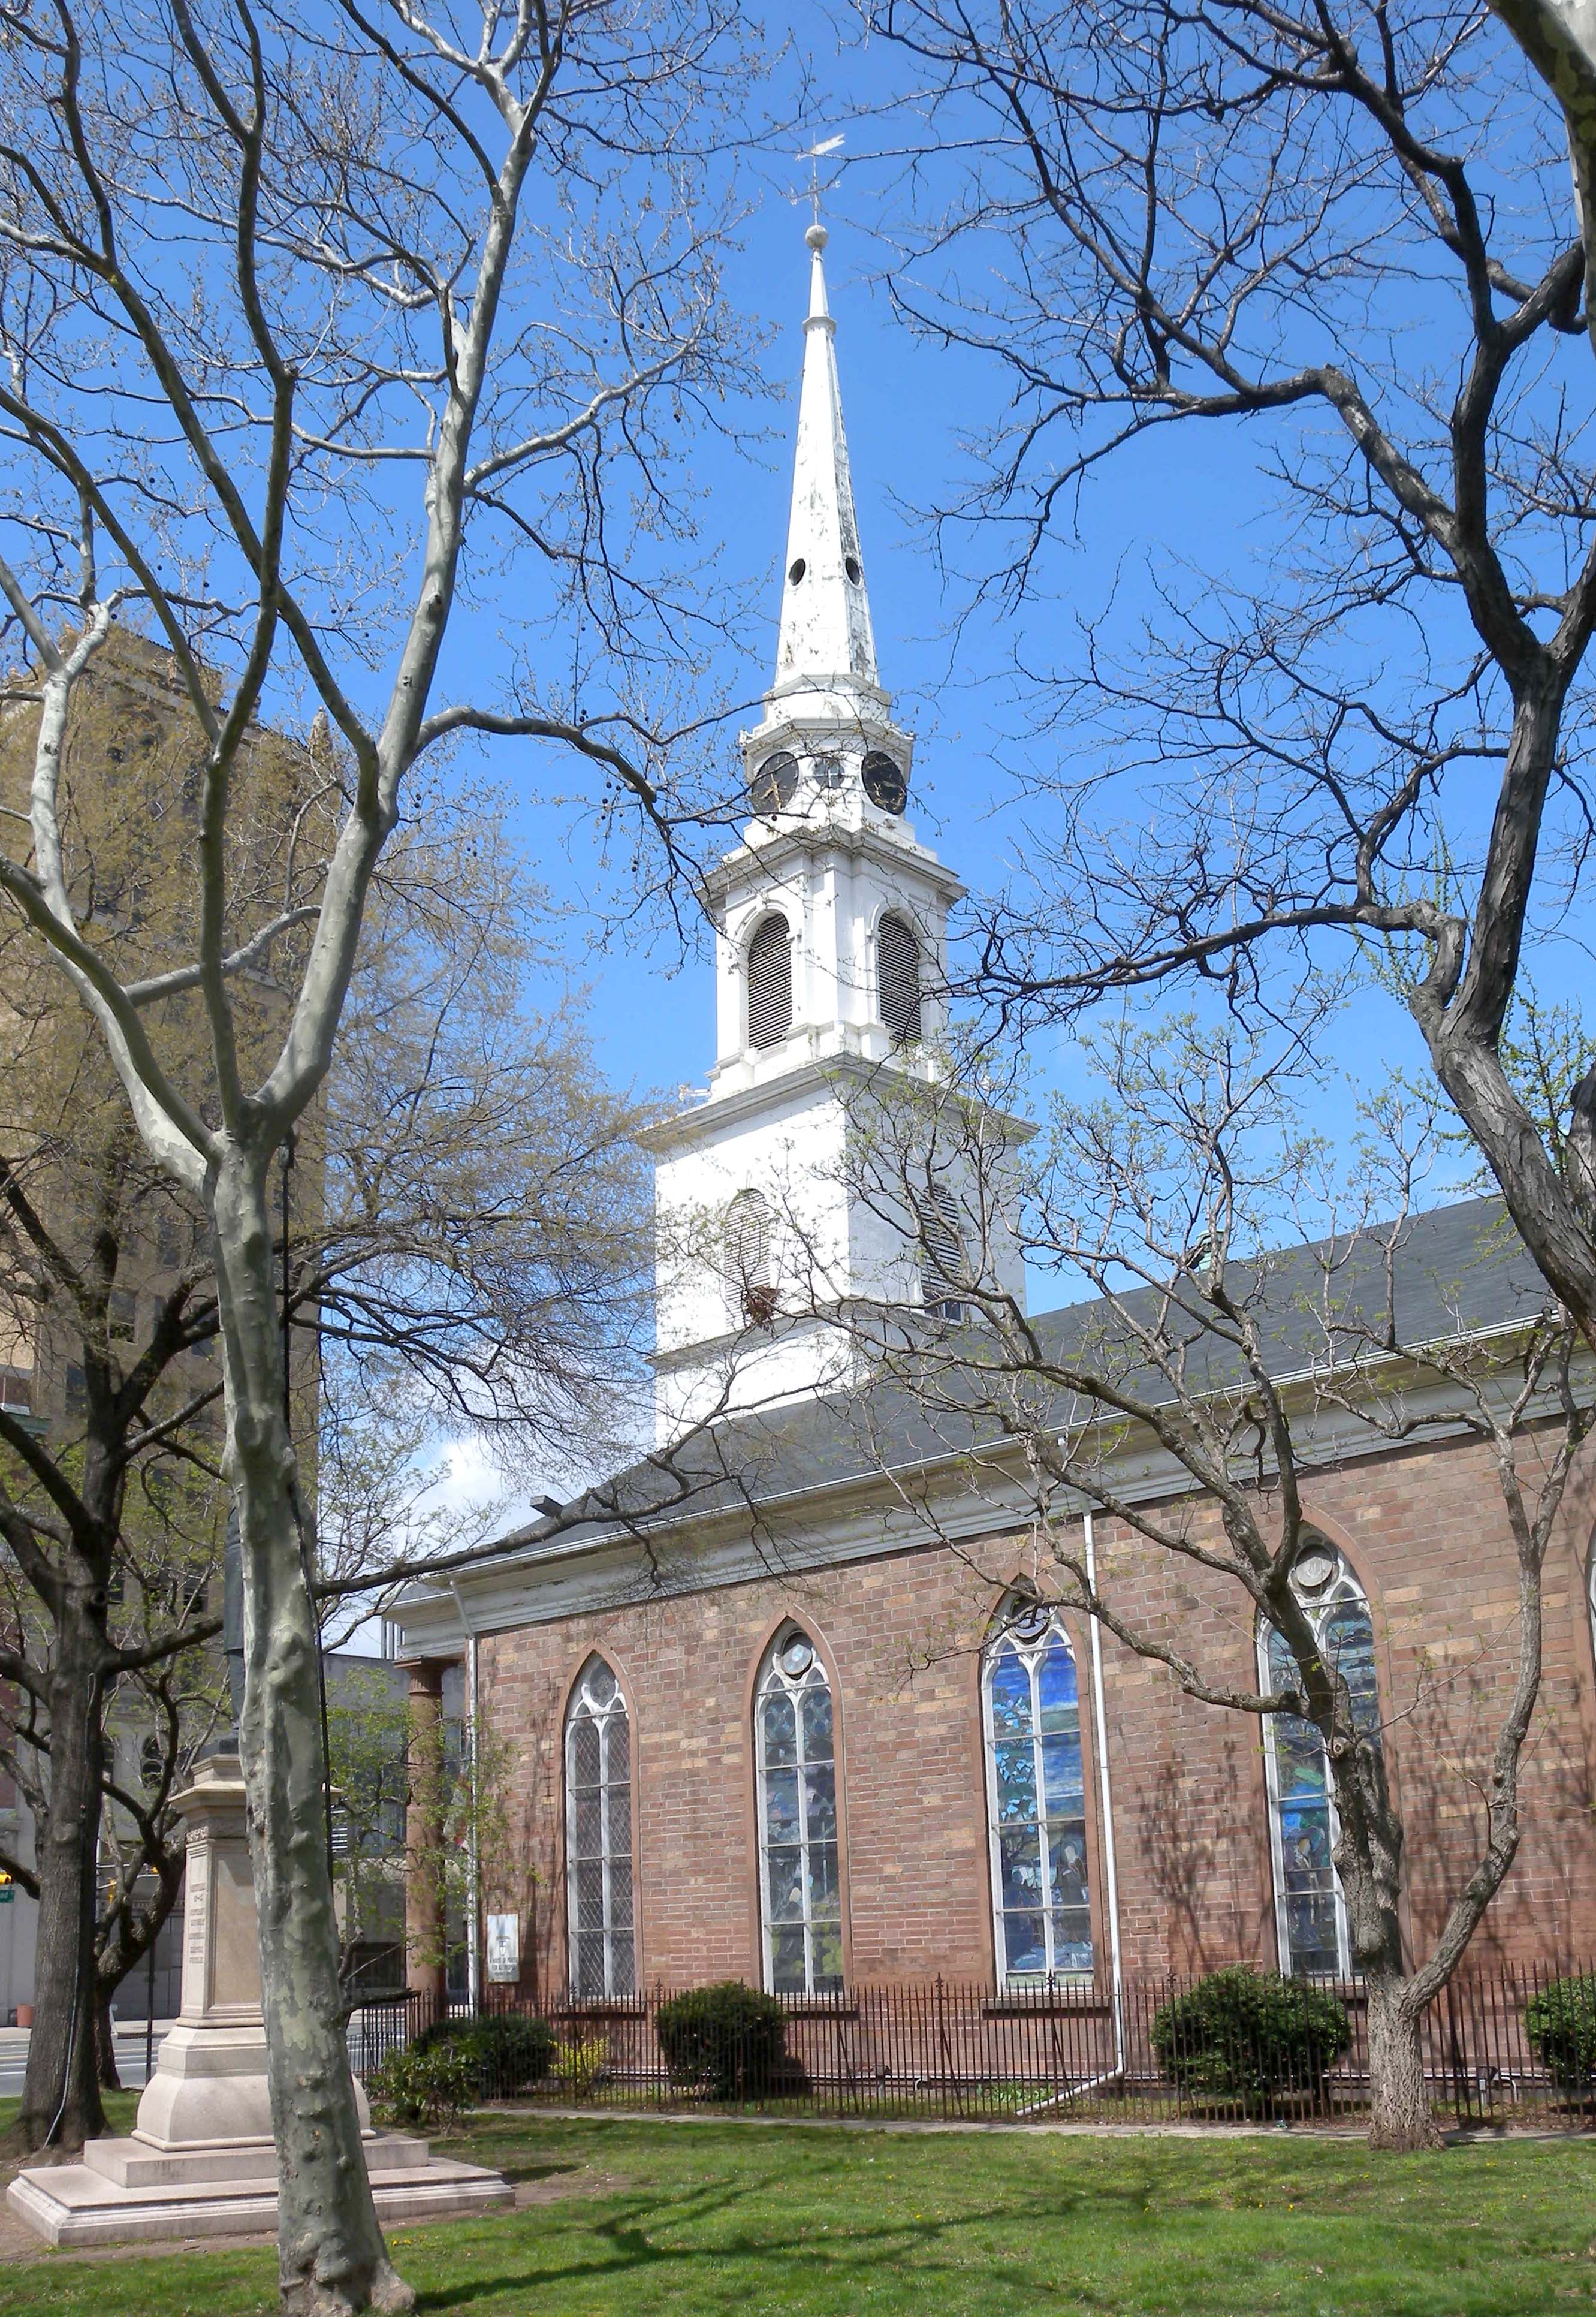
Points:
(830, 965)
(825, 640)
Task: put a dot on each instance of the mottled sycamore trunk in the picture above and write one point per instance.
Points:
(61, 2106)
(331, 2252)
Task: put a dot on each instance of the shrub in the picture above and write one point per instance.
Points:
(505, 2051)
(728, 2039)
(1560, 2023)
(579, 2065)
(423, 2090)
(1244, 2037)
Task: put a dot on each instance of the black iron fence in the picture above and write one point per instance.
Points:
(1498, 2049)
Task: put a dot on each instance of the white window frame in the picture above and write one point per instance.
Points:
(773, 1677)
(1335, 1593)
(1010, 1631)
(581, 1708)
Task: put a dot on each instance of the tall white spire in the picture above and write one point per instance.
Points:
(825, 640)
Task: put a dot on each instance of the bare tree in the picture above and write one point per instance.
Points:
(449, 287)
(1185, 1408)
(1351, 232)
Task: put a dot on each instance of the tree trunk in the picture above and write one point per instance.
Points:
(61, 2106)
(105, 2042)
(330, 2251)
(1399, 2115)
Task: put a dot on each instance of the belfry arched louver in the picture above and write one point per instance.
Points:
(769, 983)
(897, 979)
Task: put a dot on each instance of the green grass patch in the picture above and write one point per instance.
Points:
(721, 2221)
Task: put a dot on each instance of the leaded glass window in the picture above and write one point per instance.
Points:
(1036, 1800)
(799, 1881)
(1311, 1911)
(599, 1837)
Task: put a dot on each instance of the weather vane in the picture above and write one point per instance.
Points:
(813, 156)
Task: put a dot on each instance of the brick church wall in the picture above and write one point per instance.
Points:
(1427, 1535)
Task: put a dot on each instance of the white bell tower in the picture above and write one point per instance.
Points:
(831, 961)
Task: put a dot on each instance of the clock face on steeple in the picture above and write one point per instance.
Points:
(773, 783)
(883, 782)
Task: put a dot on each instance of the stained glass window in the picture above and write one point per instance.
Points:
(599, 1837)
(1312, 1913)
(1036, 1800)
(799, 1881)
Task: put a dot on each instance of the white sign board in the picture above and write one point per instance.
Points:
(504, 1947)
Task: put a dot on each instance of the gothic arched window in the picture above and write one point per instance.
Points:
(748, 1259)
(897, 979)
(1310, 1911)
(1035, 1799)
(599, 1836)
(769, 983)
(795, 1765)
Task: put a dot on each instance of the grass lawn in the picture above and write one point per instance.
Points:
(660, 2219)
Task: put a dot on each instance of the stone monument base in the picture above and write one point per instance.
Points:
(200, 2161)
(126, 2191)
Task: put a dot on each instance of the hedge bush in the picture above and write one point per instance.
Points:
(1244, 2037)
(1560, 2023)
(728, 2039)
(505, 2051)
(423, 2090)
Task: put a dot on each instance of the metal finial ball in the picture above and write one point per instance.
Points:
(816, 237)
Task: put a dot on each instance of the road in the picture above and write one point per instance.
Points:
(129, 2060)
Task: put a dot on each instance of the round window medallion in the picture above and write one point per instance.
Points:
(797, 1656)
(796, 569)
(1030, 1622)
(884, 783)
(1314, 1571)
(774, 782)
(828, 772)
(851, 566)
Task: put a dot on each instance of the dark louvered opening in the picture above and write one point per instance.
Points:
(748, 1257)
(943, 1270)
(770, 984)
(897, 970)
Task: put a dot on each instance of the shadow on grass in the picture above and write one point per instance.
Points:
(858, 2248)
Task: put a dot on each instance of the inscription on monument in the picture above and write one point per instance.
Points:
(196, 1928)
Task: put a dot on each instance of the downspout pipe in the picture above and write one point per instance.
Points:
(1105, 1788)
(1099, 1728)
(473, 1862)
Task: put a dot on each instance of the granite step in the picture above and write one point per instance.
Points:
(71, 2204)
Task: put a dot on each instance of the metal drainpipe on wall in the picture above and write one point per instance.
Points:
(473, 1863)
(1110, 1872)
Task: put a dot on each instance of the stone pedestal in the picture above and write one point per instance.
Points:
(200, 2160)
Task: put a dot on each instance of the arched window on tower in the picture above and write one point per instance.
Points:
(748, 1259)
(944, 1267)
(795, 1766)
(1310, 1911)
(599, 1837)
(1035, 1799)
(897, 979)
(769, 983)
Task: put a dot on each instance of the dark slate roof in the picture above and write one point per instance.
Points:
(1456, 1271)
